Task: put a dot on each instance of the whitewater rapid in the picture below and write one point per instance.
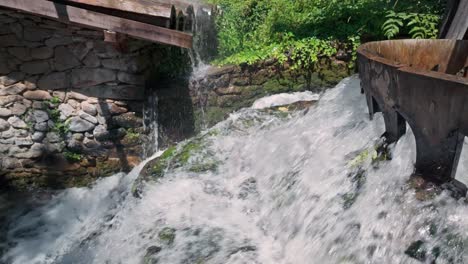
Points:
(289, 189)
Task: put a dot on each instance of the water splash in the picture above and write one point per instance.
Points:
(288, 189)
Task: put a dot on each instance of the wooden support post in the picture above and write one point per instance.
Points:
(118, 40)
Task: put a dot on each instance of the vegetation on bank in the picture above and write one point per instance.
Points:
(304, 31)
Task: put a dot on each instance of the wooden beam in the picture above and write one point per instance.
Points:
(459, 24)
(70, 14)
(134, 6)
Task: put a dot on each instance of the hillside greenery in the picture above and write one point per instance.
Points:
(303, 31)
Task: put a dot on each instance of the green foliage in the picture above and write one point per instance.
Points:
(54, 101)
(72, 156)
(253, 30)
(416, 25)
(61, 127)
(132, 134)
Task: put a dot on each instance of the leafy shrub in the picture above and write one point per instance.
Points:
(416, 25)
(252, 30)
(72, 156)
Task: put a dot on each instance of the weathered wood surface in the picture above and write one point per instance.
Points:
(135, 6)
(420, 82)
(455, 25)
(71, 14)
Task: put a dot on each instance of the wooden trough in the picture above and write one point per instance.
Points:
(423, 83)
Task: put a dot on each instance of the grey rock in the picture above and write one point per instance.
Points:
(90, 77)
(36, 34)
(40, 116)
(127, 120)
(35, 151)
(73, 103)
(91, 60)
(55, 147)
(43, 127)
(101, 132)
(64, 59)
(57, 40)
(4, 125)
(16, 122)
(38, 136)
(53, 137)
(118, 92)
(10, 41)
(131, 78)
(20, 53)
(91, 143)
(128, 64)
(105, 50)
(42, 53)
(88, 117)
(4, 112)
(24, 142)
(11, 78)
(66, 110)
(38, 105)
(80, 50)
(77, 96)
(20, 133)
(37, 95)
(54, 81)
(79, 125)
(78, 136)
(86, 107)
(17, 28)
(4, 148)
(8, 133)
(5, 100)
(35, 67)
(17, 88)
(18, 109)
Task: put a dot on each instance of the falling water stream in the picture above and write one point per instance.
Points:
(288, 188)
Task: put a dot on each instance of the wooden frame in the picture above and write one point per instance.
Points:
(75, 15)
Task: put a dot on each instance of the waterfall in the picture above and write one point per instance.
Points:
(287, 188)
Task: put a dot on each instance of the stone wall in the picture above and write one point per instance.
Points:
(70, 104)
(223, 90)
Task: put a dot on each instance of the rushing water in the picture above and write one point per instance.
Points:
(287, 190)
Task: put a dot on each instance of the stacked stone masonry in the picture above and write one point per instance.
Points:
(70, 103)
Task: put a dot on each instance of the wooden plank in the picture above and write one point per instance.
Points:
(134, 6)
(459, 26)
(92, 19)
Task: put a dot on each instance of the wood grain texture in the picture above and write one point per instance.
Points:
(92, 19)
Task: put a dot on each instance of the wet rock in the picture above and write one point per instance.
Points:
(64, 59)
(127, 120)
(37, 95)
(35, 67)
(167, 235)
(79, 125)
(417, 250)
(248, 188)
(54, 81)
(80, 50)
(36, 34)
(56, 41)
(16, 122)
